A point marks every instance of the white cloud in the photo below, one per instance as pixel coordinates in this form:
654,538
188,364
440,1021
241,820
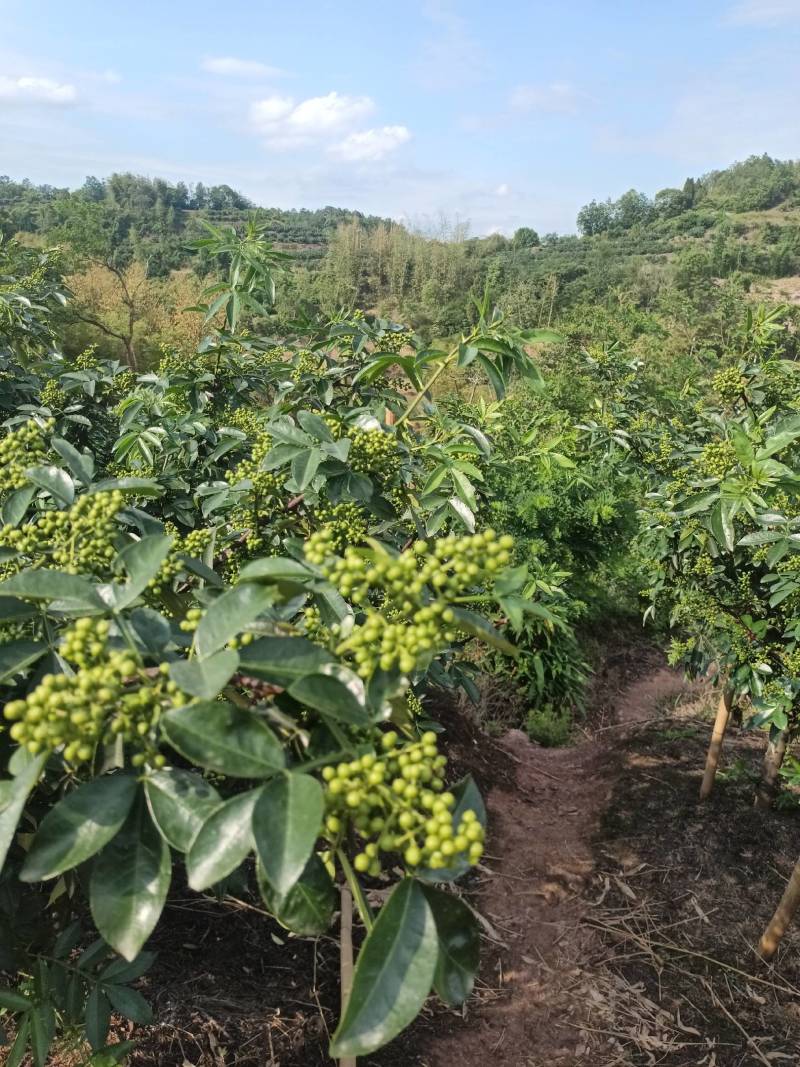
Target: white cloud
764,12
502,189
560,98
27,90
371,145
232,67
287,123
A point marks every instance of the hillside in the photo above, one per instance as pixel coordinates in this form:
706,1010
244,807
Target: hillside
740,226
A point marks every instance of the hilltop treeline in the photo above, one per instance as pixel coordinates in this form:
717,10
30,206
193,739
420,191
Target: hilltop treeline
741,223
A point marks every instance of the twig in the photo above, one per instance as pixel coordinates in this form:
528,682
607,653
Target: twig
750,1041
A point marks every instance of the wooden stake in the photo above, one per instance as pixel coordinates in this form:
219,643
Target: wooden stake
346,959
715,747
783,916
773,759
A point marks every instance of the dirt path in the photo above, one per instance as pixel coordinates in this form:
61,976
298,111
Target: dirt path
542,857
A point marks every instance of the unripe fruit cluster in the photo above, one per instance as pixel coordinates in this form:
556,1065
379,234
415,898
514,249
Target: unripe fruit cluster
80,711
396,803
52,396
340,525
373,452
193,544
306,362
87,359
20,449
729,383
394,340
717,458
84,643
78,540
412,625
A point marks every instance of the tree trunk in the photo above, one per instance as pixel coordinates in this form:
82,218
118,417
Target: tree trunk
783,916
715,746
130,354
773,758
346,959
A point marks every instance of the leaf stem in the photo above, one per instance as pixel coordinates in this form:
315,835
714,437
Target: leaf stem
355,888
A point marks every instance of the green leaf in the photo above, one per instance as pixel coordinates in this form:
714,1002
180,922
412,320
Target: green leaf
43,1027
80,465
129,884
16,505
282,660
180,802
17,656
305,466
393,975
314,425
130,1003
17,1053
13,1001
459,946
80,824
135,486
472,623
205,678
223,841
51,585
97,1018
286,824
142,560
230,613
307,909
224,738
288,574
54,481
14,610
340,698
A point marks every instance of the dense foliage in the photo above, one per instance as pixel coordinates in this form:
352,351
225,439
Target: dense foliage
226,587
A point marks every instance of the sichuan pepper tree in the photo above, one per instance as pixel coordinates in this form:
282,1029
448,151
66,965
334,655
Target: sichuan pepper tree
215,639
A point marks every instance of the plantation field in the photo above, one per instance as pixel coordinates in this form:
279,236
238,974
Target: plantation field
330,729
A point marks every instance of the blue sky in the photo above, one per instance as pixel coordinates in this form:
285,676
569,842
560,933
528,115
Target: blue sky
513,113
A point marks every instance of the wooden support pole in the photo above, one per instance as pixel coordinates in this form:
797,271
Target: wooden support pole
346,959
715,746
773,761
783,916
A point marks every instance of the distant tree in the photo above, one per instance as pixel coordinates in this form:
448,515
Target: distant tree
669,203
114,300
596,217
632,209
525,237
93,189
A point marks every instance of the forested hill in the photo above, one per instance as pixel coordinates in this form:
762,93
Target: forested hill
740,224
152,219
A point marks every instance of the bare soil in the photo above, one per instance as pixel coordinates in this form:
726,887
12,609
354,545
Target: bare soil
619,914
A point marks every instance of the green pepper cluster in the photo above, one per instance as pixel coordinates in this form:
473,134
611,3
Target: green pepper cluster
52,396
406,599
108,697
339,525
729,384
78,540
306,362
395,802
193,544
87,359
20,449
717,458
373,452
395,340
